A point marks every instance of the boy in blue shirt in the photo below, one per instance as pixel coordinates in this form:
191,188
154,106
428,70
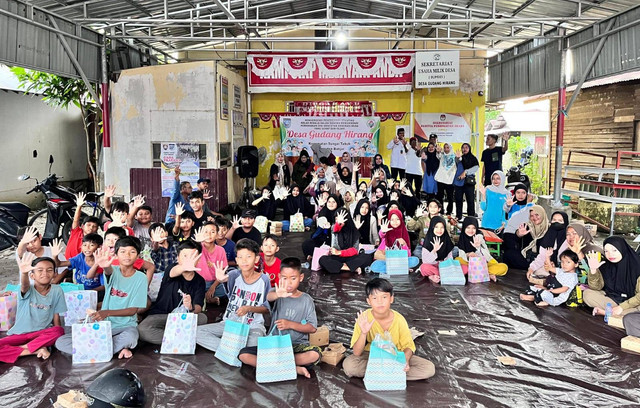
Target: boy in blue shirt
82,263
126,293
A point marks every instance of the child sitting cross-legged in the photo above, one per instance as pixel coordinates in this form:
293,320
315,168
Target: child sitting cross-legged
31,242
380,318
437,247
294,314
38,317
558,285
126,293
247,290
471,244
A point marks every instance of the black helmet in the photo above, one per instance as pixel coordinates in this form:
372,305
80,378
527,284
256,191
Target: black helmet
116,387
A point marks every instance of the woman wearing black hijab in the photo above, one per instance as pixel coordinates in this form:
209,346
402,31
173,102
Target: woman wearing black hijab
302,170
466,184
369,226
430,166
294,203
345,241
614,279
380,166
326,218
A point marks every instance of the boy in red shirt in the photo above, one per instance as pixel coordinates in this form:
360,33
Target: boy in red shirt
269,260
89,225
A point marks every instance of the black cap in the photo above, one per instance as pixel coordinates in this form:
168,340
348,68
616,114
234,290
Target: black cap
204,180
249,213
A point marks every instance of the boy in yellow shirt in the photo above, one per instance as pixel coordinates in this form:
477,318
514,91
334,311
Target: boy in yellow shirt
377,320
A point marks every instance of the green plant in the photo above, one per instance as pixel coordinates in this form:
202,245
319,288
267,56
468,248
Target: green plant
536,177
61,92
492,114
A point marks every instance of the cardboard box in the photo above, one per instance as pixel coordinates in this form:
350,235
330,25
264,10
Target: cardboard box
320,337
333,354
630,343
72,399
275,231
616,321
276,224
592,228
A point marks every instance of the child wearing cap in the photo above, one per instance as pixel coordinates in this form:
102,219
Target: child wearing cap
243,227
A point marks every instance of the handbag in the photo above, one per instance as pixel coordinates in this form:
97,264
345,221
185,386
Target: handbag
261,223
385,368
275,358
78,301
234,338
397,261
451,273
470,180
317,253
180,334
478,270
8,308
296,222
92,342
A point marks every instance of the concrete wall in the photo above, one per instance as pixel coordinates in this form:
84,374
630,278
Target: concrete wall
28,124
174,102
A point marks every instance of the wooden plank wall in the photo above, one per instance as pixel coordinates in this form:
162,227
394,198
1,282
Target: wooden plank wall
602,120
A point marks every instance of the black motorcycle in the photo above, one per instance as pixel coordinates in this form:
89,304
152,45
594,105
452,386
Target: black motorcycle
57,216
516,174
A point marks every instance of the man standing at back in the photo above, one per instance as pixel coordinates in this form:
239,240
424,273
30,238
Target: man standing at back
399,149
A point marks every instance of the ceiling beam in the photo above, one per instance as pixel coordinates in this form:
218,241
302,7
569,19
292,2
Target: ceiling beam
244,29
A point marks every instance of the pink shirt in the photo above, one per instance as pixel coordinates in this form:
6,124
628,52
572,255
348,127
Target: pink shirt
209,259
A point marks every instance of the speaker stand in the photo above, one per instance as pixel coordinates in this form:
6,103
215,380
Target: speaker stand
245,200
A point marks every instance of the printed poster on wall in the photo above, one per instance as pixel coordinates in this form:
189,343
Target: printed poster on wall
224,98
185,155
357,135
237,97
437,69
450,127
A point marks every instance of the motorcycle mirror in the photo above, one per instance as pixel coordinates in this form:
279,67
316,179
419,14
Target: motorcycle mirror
50,159
24,177
35,154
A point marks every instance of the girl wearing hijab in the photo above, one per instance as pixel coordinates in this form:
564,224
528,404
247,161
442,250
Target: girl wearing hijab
302,170
266,204
280,173
445,175
366,223
615,279
430,165
393,232
519,201
295,203
379,198
522,247
345,241
492,202
436,247
465,182
554,240
322,235
380,166
471,243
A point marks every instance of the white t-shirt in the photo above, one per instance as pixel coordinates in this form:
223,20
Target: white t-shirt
414,163
398,154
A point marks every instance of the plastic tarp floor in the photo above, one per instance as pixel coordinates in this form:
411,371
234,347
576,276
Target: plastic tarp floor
564,357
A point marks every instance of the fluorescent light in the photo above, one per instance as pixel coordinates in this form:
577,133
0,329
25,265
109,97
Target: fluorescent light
341,38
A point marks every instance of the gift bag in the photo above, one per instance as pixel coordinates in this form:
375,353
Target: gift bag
367,248
385,368
234,338
70,287
180,334
92,342
78,301
8,308
154,286
261,223
478,270
275,358
397,261
451,273
296,222
317,253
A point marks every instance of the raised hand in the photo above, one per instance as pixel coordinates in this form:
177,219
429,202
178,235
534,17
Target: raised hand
286,192
200,235
179,209
30,234
384,226
221,271
138,201
206,194
437,244
594,262
341,217
56,248
578,246
25,262
403,183
358,221
176,170
359,195
322,201
482,188
156,235
103,257
266,194
80,199
356,167
421,210
370,165
477,241
110,190
190,263
458,154
281,291
236,222
523,230
364,323
119,218
407,192
376,173
314,177
510,201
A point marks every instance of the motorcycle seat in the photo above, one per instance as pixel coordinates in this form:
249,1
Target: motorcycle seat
15,206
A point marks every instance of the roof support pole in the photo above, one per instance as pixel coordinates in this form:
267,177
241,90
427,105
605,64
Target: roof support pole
562,98
104,90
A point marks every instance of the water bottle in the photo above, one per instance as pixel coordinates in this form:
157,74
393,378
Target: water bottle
607,312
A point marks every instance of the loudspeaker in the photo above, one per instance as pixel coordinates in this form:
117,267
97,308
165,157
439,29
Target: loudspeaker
248,161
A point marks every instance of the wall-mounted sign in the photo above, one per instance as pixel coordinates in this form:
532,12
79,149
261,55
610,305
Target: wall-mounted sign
438,69
185,155
224,98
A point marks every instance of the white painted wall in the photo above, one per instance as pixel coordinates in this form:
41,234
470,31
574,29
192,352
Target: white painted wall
28,124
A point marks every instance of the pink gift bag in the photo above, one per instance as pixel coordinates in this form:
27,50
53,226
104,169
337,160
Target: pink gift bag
8,308
317,253
478,270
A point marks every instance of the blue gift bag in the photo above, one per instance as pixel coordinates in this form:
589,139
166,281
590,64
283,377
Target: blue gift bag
451,273
180,334
275,358
234,338
397,262
385,368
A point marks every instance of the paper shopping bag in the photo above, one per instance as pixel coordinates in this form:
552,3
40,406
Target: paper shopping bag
180,334
234,338
78,301
296,223
92,342
385,368
451,273
317,253
8,308
397,262
275,358
478,270
261,223
70,287
154,286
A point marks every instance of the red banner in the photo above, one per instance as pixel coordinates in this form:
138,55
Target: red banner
350,72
